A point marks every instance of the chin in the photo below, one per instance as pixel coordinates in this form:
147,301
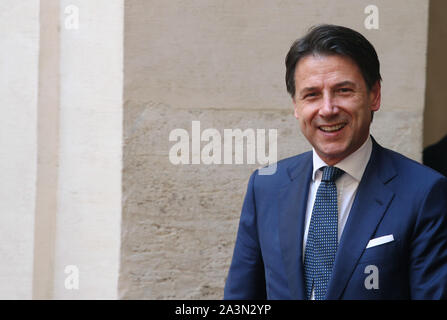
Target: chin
333,151
332,154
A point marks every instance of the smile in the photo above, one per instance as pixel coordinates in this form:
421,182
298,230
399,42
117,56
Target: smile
333,128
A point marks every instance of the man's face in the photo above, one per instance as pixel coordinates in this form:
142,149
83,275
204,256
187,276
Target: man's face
333,105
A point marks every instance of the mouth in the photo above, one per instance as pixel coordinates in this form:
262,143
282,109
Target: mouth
333,128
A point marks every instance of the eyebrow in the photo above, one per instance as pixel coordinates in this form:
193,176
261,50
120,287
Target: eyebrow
345,83
337,85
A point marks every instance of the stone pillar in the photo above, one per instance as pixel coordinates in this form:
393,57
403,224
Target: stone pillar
89,180
19,64
61,148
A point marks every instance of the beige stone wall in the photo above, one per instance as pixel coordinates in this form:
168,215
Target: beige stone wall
222,63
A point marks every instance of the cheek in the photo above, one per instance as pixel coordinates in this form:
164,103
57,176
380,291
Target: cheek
305,115
361,121
363,116
305,123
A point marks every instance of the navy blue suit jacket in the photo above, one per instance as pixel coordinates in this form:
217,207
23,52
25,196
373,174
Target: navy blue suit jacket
396,196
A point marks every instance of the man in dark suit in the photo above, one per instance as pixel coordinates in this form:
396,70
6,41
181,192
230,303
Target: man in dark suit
349,219
435,156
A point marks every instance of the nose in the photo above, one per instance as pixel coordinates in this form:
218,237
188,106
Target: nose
329,107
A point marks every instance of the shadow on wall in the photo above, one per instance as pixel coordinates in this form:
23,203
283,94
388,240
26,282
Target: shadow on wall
435,113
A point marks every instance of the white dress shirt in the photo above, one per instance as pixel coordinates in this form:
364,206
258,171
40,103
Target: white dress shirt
354,166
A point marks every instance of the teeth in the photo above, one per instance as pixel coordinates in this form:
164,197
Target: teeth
332,128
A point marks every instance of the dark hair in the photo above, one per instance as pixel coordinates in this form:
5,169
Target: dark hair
329,39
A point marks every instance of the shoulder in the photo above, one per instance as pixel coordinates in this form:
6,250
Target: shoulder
412,174
281,172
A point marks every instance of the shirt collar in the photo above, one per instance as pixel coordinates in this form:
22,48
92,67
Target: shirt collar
354,164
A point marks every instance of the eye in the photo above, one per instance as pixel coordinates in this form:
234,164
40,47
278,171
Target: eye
310,95
344,90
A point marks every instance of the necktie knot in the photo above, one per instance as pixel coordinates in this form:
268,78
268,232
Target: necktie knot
331,174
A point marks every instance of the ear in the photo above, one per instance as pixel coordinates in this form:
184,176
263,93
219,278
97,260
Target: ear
375,96
295,107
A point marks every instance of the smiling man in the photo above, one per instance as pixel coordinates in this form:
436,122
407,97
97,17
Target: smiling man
349,219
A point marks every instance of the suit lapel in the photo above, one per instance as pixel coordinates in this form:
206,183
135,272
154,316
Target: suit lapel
292,209
370,204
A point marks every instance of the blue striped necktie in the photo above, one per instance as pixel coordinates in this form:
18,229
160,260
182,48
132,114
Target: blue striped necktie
322,238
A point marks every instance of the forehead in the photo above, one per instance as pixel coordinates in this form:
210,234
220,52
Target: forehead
317,70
